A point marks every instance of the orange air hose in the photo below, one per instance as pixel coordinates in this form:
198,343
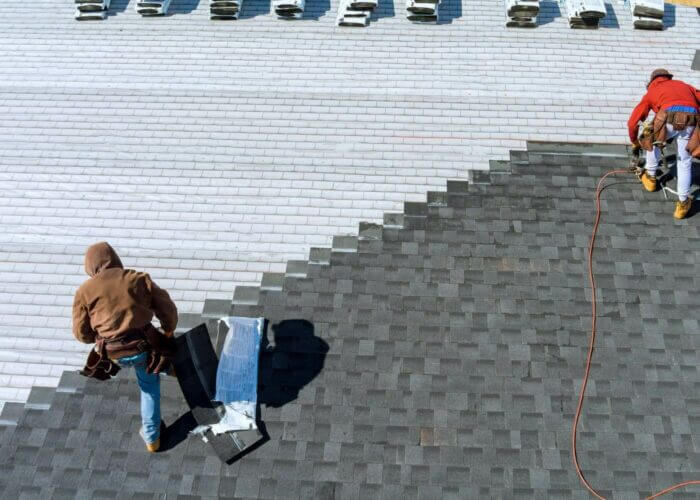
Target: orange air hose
579,407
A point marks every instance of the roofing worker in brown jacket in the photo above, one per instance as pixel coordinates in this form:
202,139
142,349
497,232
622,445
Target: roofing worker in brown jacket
114,309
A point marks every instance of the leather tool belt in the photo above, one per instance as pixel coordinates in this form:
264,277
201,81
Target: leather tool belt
679,120
101,362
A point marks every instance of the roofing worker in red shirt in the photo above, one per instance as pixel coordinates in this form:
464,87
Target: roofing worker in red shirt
675,105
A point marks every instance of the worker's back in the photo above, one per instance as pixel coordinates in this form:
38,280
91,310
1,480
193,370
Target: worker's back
116,300
664,93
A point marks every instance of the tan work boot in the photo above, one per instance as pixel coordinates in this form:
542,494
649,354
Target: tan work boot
648,182
154,446
682,208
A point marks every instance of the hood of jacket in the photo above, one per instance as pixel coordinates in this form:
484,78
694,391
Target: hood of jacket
99,257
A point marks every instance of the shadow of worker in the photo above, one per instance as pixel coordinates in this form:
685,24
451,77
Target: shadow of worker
290,362
177,431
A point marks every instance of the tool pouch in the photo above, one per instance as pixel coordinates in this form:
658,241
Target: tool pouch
162,350
694,142
679,120
98,365
653,132
646,138
659,126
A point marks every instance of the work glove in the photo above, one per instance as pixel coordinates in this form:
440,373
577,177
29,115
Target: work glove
636,148
157,363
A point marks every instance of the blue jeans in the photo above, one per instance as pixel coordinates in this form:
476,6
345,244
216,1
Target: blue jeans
150,395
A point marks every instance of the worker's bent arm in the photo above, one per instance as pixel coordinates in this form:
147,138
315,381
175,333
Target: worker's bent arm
640,112
163,306
81,323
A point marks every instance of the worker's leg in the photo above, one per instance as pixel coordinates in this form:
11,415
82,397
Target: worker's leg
648,178
652,163
654,156
683,164
149,383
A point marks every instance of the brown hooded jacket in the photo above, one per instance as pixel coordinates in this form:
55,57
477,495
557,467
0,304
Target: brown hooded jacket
115,300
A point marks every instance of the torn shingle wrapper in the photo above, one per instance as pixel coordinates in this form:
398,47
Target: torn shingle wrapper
237,376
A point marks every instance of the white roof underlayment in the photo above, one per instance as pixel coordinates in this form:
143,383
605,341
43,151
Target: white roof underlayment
209,152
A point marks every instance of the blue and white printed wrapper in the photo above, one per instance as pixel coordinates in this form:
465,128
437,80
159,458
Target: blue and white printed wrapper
237,376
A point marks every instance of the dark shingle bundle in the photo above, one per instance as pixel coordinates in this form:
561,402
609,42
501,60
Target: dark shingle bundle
584,14
423,11
522,13
355,13
289,9
225,9
648,14
152,7
86,10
